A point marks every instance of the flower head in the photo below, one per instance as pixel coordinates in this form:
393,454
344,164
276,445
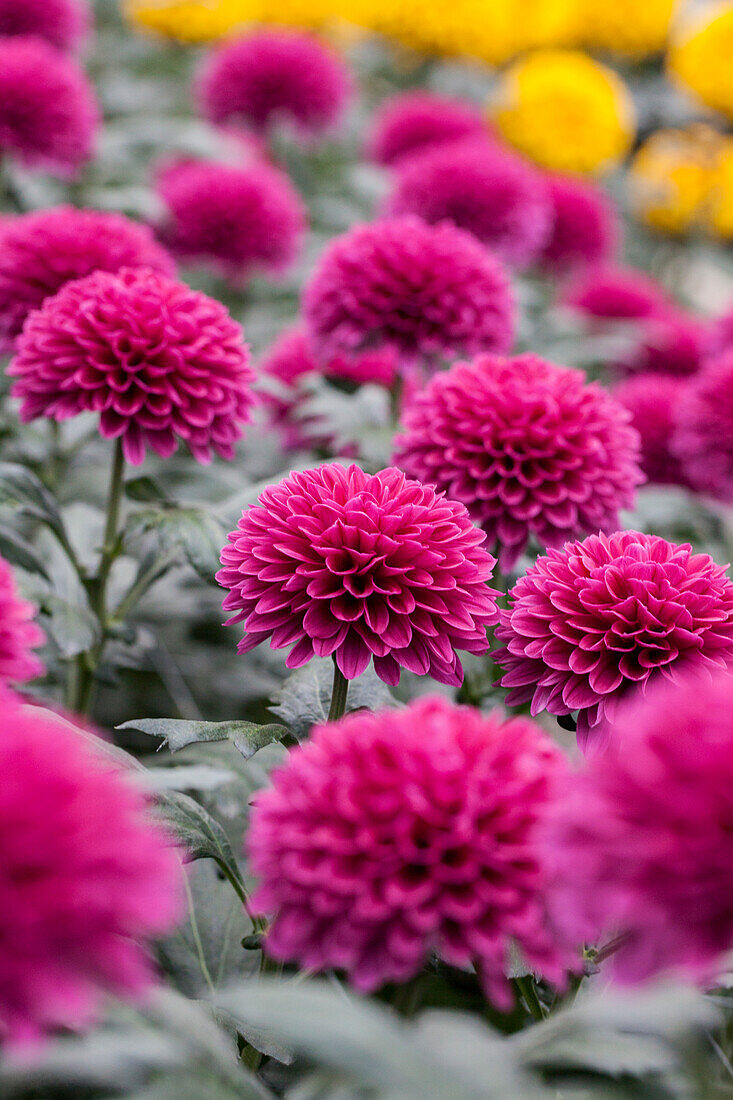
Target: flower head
43,251
82,884
626,27
414,122
700,52
19,634
334,561
237,219
391,835
530,448
703,439
63,23
598,618
565,111
673,178
423,290
158,361
48,111
618,294
275,74
585,225
189,21
494,195
640,842
653,401
671,343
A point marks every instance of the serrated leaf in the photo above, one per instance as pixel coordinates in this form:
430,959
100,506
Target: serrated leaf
145,489
305,697
18,551
199,535
247,737
22,490
198,833
72,626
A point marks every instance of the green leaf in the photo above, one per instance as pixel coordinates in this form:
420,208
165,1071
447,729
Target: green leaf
72,626
305,698
198,534
18,551
22,490
199,834
247,737
145,490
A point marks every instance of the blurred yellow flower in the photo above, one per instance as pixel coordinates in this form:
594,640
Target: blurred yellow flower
634,27
672,175
565,111
721,196
190,21
701,56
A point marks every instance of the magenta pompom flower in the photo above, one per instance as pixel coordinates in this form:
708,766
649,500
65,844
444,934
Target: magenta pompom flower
672,343
389,836
640,842
703,437
273,75
43,251
479,187
335,561
415,121
236,219
158,361
530,448
653,401
19,634
594,620
423,290
585,225
63,23
618,293
84,880
48,111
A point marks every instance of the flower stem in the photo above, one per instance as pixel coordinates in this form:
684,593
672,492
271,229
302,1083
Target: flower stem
526,989
338,695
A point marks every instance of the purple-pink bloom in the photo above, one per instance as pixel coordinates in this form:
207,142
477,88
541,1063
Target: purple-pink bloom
639,844
653,401
159,362
235,219
19,633
589,623
392,835
585,225
618,293
42,251
720,335
274,75
424,291
415,121
86,877
672,343
48,111
703,437
476,185
334,561
63,23
532,449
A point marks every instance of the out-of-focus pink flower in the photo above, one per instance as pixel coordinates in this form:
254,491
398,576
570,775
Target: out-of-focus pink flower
617,293
415,121
63,23
703,437
672,343
585,225
653,401
19,634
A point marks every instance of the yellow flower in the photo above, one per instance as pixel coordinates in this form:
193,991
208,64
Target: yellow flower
720,220
672,175
565,111
634,27
701,56
190,20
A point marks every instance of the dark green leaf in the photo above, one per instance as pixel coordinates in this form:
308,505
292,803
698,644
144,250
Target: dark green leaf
247,737
305,697
22,490
199,834
72,626
18,551
199,535
145,489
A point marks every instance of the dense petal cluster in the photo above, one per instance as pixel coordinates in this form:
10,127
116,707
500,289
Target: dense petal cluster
82,884
19,634
653,401
63,23
624,26
272,75
565,111
585,225
703,440
672,343
43,251
530,448
675,179
158,361
618,293
700,53
48,111
237,219
334,561
499,198
594,620
424,290
640,844
414,122
190,21
392,835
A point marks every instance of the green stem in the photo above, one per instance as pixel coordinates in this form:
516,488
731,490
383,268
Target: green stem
141,585
526,988
338,695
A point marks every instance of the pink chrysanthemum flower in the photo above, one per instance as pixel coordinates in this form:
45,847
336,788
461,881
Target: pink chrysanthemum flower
158,361
653,401
601,617
84,880
19,634
335,561
720,335
672,343
703,437
43,251
530,448
618,293
63,23
479,187
640,841
423,290
273,75
415,121
392,835
236,219
585,225
48,111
